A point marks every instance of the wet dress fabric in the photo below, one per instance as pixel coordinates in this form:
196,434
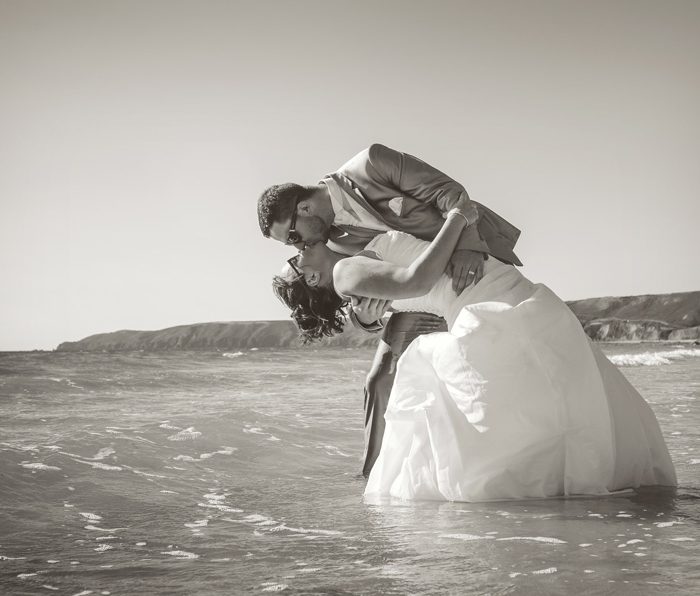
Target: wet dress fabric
513,401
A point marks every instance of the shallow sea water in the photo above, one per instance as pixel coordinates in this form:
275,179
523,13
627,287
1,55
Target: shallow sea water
210,473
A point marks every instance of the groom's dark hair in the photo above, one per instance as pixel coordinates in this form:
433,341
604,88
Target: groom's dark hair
277,202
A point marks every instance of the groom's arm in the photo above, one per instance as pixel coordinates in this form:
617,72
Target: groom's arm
421,181
414,177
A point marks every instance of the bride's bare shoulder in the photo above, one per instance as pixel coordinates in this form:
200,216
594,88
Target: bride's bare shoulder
352,273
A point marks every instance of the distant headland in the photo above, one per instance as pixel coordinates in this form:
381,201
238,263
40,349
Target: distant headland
657,317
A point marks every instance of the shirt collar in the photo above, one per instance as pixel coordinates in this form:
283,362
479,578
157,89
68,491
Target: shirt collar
338,200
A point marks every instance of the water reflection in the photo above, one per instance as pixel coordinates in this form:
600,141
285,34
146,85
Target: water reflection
587,541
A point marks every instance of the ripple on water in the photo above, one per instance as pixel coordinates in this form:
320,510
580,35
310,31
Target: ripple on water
39,466
546,571
466,537
256,430
187,434
667,524
98,465
180,554
224,450
273,587
544,539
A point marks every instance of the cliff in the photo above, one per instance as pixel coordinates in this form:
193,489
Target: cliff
650,317
225,336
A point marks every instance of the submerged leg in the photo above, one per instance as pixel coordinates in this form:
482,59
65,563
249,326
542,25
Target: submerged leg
402,329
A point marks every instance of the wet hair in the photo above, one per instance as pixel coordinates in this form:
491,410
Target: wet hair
277,202
317,311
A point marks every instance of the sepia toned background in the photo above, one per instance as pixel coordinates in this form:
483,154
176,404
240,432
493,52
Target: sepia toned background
136,136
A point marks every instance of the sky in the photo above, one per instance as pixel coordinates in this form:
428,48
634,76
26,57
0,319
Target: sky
136,136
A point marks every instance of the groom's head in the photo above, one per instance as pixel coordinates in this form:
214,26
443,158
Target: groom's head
294,214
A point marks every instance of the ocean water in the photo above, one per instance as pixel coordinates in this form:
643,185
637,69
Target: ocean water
211,473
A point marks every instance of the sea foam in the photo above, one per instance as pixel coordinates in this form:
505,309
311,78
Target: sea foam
653,358
186,434
39,466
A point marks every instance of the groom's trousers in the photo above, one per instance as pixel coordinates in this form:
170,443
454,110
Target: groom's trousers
401,330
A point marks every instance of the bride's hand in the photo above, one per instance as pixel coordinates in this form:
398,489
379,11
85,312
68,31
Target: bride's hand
369,310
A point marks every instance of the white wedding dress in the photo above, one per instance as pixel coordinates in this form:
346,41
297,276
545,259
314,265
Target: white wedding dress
514,401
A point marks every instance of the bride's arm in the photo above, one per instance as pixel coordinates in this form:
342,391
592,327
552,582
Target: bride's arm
362,276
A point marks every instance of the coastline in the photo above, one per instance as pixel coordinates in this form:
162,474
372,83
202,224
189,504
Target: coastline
671,317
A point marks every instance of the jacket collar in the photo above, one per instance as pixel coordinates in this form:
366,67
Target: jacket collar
352,189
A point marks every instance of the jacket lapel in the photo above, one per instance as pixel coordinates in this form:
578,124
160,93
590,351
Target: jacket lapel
349,186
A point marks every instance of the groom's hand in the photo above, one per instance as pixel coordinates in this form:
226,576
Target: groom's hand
465,268
369,310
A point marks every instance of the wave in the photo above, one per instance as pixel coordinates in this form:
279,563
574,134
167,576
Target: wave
653,358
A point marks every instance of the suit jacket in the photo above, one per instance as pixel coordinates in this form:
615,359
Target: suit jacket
410,195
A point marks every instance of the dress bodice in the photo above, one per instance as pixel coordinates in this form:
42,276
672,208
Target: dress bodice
402,249
498,283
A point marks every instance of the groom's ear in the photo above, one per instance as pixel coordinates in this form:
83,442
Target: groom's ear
312,279
304,207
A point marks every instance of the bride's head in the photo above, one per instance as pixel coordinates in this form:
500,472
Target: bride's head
305,285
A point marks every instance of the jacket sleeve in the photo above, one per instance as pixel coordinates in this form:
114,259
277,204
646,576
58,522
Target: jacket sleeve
414,177
375,327
423,182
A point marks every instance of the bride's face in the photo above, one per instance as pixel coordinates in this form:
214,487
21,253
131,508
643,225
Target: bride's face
314,263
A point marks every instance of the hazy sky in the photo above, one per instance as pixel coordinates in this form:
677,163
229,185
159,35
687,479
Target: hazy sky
135,138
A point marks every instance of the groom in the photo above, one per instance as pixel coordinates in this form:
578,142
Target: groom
382,189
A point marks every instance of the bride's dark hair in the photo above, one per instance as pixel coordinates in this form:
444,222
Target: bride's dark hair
317,311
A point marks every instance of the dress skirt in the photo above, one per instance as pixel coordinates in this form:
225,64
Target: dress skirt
514,402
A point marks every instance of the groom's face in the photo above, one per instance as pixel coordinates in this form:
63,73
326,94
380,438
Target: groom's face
310,228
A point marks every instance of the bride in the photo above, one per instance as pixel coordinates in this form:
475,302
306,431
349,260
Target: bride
514,401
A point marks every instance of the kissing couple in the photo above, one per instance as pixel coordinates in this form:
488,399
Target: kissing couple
484,385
